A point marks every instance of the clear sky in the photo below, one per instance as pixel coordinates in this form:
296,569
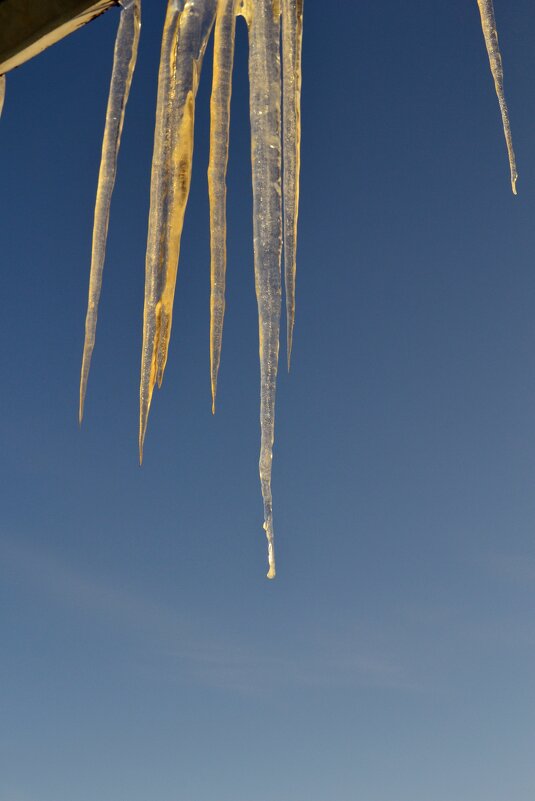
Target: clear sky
143,653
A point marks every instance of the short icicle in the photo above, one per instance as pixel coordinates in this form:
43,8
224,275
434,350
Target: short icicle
187,29
292,37
265,101
124,62
224,36
488,23
2,92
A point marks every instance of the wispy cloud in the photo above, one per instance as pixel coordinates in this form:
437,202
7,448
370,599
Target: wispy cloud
175,646
60,580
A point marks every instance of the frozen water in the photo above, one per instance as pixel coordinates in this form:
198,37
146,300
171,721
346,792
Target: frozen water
124,62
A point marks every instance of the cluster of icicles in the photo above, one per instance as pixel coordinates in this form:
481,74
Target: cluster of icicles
275,173
187,29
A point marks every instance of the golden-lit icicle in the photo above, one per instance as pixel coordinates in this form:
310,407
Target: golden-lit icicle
225,28
160,204
292,37
186,32
2,92
124,62
265,113
488,23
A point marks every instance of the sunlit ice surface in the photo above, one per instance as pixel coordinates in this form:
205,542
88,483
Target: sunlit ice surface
187,30
275,40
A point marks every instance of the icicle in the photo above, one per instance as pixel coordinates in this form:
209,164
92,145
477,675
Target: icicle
265,97
490,33
186,32
292,35
217,171
124,61
2,92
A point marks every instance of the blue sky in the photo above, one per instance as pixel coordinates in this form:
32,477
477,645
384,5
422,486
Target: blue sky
144,654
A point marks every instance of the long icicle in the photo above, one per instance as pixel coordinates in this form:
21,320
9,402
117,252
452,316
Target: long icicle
292,37
265,112
186,32
124,62
2,92
224,36
488,23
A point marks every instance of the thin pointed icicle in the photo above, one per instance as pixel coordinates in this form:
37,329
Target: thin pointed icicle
2,92
217,172
159,205
292,37
186,31
488,23
124,62
265,112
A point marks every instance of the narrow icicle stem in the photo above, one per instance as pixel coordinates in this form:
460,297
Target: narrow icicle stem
186,32
2,92
124,62
292,37
217,172
488,23
265,102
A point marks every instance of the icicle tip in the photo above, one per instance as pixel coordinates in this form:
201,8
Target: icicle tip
83,383
271,559
268,528
289,351
141,443
214,392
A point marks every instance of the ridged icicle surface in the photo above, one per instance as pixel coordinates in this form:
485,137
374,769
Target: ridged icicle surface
187,29
124,62
292,38
488,23
265,113
225,29
186,32
275,159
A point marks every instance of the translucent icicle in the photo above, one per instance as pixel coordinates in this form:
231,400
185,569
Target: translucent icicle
2,92
265,102
292,36
124,62
217,171
488,23
186,32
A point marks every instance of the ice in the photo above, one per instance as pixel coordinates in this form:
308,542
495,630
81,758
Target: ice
292,35
217,170
124,61
187,28
2,92
265,113
186,31
488,23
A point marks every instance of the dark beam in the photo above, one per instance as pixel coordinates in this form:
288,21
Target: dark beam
29,26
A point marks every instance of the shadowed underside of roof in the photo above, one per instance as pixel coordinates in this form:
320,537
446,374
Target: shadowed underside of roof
27,27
